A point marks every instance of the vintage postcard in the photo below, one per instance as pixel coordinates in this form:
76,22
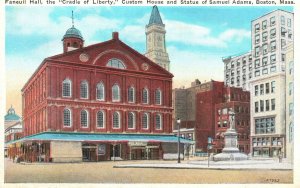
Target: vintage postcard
178,92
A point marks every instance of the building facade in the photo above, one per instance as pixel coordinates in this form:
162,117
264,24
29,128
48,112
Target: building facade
239,101
156,40
203,108
289,82
270,35
100,102
238,70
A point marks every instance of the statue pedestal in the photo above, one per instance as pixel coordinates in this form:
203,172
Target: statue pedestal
230,151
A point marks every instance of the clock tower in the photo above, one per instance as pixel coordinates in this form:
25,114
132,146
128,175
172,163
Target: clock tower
155,40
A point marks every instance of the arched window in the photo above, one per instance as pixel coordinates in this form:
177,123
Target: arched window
116,93
131,94
131,120
158,96
84,118
67,88
100,119
84,90
116,120
158,121
145,121
100,92
67,118
116,63
145,96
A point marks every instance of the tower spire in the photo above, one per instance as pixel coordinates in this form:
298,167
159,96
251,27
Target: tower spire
72,19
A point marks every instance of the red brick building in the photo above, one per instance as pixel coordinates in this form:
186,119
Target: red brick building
205,105
100,102
239,101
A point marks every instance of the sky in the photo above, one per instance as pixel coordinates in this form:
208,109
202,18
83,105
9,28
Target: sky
197,37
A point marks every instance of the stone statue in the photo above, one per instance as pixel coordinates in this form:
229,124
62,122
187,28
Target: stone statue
231,119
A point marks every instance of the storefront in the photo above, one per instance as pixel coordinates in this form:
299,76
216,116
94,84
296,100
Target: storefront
88,147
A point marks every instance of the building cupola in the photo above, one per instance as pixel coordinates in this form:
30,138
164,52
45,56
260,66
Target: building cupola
72,39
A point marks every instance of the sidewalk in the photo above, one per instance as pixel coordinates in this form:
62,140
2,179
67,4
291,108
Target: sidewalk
254,164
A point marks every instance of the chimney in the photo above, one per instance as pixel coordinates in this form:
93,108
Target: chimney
115,35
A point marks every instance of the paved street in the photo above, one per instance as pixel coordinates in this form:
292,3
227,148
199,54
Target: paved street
103,172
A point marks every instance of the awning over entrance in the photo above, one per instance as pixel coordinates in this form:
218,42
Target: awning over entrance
85,137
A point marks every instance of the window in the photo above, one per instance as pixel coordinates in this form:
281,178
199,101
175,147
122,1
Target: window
267,88
232,64
273,87
145,96
272,104
131,120
100,94
291,87
257,51
116,93
273,45
265,49
291,67
84,118
67,88
257,73
265,125
265,71
291,108
283,31
250,75
283,57
100,119
283,43
256,106
261,102
272,21
264,36
257,63
256,90
67,118
261,89
291,132
158,96
264,24
158,121
264,61
267,105
145,121
116,63
116,120
273,69
84,90
282,19
290,34
257,27
273,58
289,22
272,33
257,39
131,94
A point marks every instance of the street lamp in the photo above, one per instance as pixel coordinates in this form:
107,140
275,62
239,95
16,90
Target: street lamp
178,127
209,146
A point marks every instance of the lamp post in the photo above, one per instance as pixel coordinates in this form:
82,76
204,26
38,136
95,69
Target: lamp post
209,142
178,123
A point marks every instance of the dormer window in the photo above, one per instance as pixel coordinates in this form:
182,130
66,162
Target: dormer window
116,63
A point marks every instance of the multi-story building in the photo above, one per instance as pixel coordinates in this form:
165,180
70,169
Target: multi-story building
289,118
270,35
156,40
100,102
199,107
239,101
238,70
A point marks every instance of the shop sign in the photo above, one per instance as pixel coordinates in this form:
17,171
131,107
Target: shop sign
101,149
137,143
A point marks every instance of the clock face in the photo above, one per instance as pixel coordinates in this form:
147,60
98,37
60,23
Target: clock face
84,57
145,66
